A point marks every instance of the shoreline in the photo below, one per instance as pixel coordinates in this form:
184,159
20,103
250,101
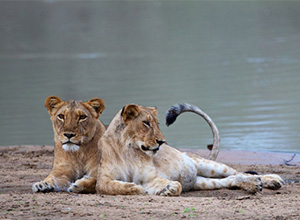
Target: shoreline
22,166
226,156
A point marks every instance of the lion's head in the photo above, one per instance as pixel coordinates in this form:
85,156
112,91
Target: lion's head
74,122
140,128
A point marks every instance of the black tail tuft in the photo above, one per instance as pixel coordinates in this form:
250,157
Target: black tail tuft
170,117
172,114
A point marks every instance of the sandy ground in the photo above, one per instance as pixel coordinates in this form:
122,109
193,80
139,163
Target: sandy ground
21,166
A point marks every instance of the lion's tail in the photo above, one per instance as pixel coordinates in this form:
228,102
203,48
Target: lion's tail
177,109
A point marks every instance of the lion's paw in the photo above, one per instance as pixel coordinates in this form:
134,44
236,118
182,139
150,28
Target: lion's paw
172,189
74,188
251,184
134,189
42,186
272,181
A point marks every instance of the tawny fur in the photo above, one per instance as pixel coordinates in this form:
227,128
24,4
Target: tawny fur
77,131
135,160
124,167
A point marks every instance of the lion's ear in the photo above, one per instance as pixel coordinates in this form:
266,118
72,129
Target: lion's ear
129,112
98,105
51,103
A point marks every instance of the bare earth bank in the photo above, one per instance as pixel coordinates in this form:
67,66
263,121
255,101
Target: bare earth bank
21,166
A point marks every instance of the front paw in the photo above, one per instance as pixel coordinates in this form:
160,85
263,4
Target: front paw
134,189
74,188
172,189
42,186
272,181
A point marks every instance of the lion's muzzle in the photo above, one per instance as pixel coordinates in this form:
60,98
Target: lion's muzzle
150,149
154,149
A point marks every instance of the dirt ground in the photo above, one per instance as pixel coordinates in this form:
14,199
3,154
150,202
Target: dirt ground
21,166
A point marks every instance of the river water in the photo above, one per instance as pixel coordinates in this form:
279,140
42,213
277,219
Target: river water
239,61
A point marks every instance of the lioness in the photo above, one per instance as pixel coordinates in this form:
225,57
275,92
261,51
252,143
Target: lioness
136,160
77,131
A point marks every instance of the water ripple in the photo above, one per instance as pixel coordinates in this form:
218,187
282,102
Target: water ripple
30,56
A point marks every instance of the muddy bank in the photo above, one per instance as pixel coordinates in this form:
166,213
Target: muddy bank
21,166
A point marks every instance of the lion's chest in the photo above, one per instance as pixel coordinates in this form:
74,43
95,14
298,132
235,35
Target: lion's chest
136,173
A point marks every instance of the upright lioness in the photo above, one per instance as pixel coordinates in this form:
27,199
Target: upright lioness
77,131
136,160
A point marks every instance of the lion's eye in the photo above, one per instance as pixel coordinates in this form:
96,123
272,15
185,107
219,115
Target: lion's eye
147,123
61,116
81,117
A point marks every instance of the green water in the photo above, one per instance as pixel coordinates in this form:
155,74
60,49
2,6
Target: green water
238,61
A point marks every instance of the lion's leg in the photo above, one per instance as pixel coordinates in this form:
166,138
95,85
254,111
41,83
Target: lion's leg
86,184
209,168
250,183
163,187
58,180
110,186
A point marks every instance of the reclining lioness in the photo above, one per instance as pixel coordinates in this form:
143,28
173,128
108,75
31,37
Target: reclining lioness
136,160
77,131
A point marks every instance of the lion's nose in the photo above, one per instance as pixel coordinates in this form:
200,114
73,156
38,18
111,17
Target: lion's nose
69,135
160,142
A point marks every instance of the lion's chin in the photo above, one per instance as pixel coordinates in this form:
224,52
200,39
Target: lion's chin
70,147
